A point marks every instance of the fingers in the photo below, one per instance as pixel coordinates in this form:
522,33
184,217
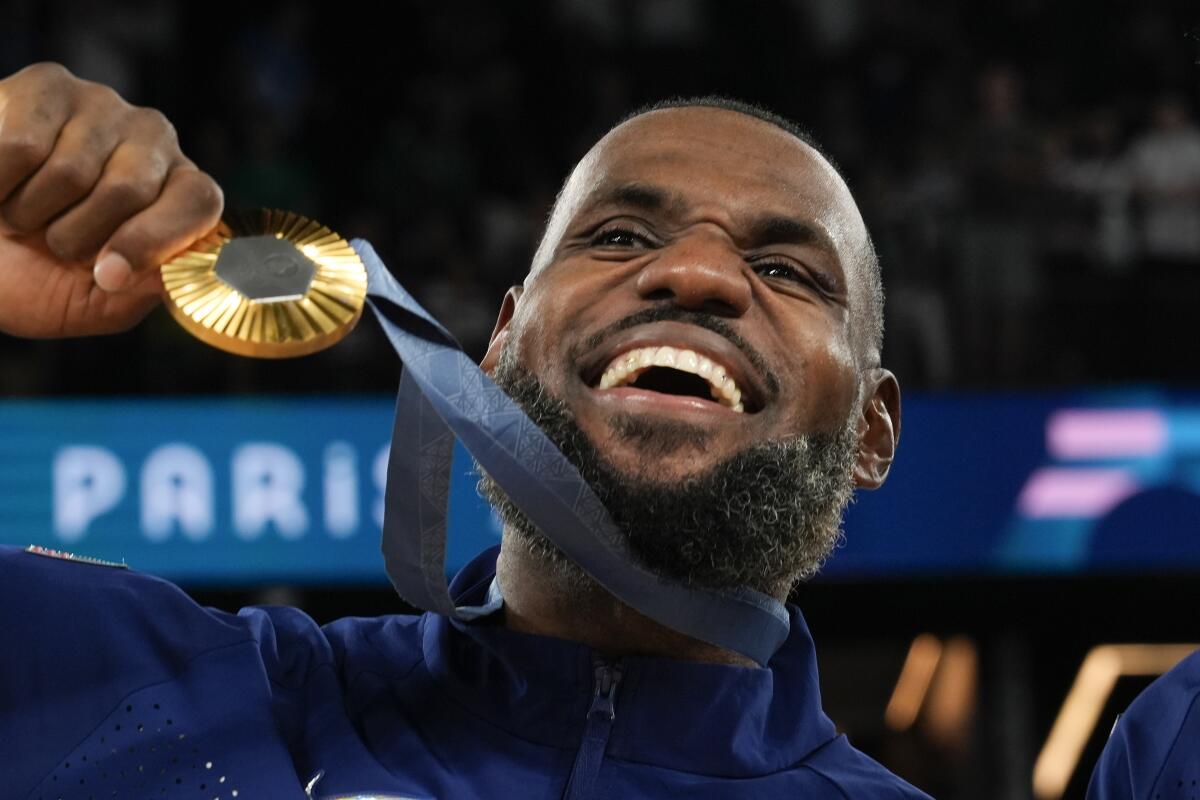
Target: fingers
189,207
131,181
65,177
99,177
32,112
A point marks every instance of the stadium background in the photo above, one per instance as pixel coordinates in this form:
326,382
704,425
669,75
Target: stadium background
1031,174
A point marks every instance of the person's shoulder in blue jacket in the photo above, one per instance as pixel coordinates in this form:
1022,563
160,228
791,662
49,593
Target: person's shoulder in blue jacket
114,680
1154,750
119,681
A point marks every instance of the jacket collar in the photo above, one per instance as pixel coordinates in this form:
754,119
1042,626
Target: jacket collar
735,721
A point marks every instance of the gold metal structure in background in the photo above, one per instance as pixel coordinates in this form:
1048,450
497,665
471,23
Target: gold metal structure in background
936,690
1080,712
267,284
924,655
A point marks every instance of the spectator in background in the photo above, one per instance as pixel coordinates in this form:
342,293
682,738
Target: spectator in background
998,270
1164,167
1164,164
1094,174
1089,250
916,216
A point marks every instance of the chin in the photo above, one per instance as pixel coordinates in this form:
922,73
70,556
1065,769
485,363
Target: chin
658,450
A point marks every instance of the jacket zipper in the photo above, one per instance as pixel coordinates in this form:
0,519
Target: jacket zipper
586,769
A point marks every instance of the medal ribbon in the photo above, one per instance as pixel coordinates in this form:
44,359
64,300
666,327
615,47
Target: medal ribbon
443,395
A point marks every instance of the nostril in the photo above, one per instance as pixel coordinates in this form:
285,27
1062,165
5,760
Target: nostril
718,308
706,304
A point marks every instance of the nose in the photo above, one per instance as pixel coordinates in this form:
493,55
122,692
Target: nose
702,272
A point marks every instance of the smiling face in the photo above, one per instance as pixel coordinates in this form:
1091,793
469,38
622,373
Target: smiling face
743,244
695,297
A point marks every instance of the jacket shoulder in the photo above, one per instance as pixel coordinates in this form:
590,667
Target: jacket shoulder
1156,742
98,641
857,775
49,600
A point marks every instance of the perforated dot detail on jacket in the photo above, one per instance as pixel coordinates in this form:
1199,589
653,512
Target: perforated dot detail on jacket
139,751
1181,789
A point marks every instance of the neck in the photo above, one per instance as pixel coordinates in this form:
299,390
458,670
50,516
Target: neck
545,599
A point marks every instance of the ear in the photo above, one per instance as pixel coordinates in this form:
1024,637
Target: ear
500,333
879,429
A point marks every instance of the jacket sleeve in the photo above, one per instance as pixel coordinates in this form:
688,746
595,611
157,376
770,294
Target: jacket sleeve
113,680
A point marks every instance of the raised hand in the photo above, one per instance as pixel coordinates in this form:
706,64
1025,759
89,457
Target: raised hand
94,194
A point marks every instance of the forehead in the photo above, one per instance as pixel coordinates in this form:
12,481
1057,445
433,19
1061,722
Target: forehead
722,159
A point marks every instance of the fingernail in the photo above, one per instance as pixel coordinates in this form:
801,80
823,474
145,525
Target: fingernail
112,272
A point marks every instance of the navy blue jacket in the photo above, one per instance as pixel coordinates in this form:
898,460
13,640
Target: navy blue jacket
1154,750
116,682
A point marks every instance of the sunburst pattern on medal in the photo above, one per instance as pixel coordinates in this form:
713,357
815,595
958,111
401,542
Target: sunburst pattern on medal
219,314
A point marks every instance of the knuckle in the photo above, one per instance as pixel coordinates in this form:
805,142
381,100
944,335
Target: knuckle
129,192
63,243
97,140
23,150
98,96
156,121
205,193
106,94
69,175
48,72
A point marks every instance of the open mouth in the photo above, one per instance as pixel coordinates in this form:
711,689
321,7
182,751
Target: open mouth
675,371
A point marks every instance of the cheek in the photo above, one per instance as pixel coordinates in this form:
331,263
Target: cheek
824,380
541,330
564,302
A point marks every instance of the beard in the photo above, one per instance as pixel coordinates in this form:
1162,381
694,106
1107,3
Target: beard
766,517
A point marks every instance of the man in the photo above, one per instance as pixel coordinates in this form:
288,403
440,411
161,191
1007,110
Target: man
699,333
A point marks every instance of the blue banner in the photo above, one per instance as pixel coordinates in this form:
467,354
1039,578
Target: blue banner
215,490
227,491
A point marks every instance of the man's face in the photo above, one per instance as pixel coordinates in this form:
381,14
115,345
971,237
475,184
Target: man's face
717,235
686,337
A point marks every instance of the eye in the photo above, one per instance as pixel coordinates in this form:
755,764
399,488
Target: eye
782,271
620,237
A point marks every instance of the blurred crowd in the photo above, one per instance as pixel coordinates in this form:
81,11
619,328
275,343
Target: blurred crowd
1030,170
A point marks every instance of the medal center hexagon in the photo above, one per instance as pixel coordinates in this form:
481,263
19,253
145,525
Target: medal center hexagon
265,268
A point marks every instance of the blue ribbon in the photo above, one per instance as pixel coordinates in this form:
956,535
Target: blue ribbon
443,395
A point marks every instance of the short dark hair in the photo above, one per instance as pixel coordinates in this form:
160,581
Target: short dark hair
871,316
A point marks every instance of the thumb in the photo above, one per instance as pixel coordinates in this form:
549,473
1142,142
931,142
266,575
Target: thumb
112,271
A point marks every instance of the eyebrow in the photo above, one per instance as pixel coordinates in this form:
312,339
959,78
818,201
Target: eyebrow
763,231
785,230
643,196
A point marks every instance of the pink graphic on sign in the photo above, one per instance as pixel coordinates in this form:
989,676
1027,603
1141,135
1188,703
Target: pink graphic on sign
1106,433
1073,492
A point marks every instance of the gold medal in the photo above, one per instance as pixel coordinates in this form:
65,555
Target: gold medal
267,284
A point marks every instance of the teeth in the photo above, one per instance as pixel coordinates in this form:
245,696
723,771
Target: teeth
626,368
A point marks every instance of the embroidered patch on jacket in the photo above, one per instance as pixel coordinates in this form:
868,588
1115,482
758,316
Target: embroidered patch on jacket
95,562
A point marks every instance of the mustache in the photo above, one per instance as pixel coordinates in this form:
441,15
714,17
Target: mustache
669,312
